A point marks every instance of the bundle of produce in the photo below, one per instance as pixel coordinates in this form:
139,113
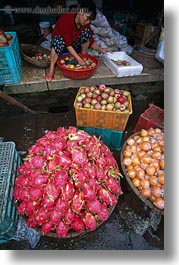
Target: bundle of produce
142,161
68,183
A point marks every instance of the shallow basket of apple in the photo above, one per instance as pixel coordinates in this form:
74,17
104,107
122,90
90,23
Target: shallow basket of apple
35,55
103,107
142,161
68,184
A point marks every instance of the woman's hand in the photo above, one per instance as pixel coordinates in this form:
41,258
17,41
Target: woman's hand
81,61
99,49
104,50
75,54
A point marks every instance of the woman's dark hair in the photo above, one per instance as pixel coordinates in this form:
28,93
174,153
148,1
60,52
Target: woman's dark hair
89,6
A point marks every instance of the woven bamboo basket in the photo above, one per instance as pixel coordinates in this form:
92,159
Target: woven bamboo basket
28,50
136,190
71,233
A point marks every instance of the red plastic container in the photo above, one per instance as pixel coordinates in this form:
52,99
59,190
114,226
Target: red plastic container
78,74
152,117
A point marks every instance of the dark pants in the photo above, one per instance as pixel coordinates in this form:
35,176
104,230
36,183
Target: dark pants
59,45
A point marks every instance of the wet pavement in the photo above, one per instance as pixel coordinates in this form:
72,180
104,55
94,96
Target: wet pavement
132,225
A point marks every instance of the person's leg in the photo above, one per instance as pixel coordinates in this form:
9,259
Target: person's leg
57,47
53,59
81,45
85,47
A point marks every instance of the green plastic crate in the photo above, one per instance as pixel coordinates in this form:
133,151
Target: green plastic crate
9,162
111,138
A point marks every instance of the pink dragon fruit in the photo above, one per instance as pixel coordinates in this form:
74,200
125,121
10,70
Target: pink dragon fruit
77,224
106,196
94,206
112,185
80,177
62,229
22,181
77,202
79,158
31,206
89,192
35,149
59,144
68,191
22,207
40,180
47,227
61,178
51,135
51,191
41,216
35,193
47,202
37,161
69,216
31,221
55,216
90,221
61,206
104,213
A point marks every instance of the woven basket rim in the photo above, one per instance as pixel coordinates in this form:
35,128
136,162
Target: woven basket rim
36,48
136,191
72,233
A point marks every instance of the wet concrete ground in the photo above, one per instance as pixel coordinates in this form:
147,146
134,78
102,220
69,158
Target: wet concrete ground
132,225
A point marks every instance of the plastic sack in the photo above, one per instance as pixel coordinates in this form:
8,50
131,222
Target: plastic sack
160,48
24,232
47,43
100,20
105,32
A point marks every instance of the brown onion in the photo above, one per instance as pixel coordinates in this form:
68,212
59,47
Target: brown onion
127,153
143,132
159,203
161,164
145,183
130,141
156,155
146,159
153,180
132,173
140,173
156,191
146,146
150,170
146,192
127,161
136,182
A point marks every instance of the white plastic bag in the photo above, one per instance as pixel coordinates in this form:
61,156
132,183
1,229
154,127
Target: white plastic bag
160,48
100,20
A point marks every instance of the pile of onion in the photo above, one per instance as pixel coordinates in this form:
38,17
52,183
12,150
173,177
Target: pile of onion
143,158
69,182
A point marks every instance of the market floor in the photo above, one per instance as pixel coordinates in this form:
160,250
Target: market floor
132,225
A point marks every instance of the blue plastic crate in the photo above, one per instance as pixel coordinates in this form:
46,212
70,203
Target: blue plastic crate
9,162
10,62
111,138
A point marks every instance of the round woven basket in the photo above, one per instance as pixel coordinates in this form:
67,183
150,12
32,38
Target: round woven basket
71,233
28,50
137,191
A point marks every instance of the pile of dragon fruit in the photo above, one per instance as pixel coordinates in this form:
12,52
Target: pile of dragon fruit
68,183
